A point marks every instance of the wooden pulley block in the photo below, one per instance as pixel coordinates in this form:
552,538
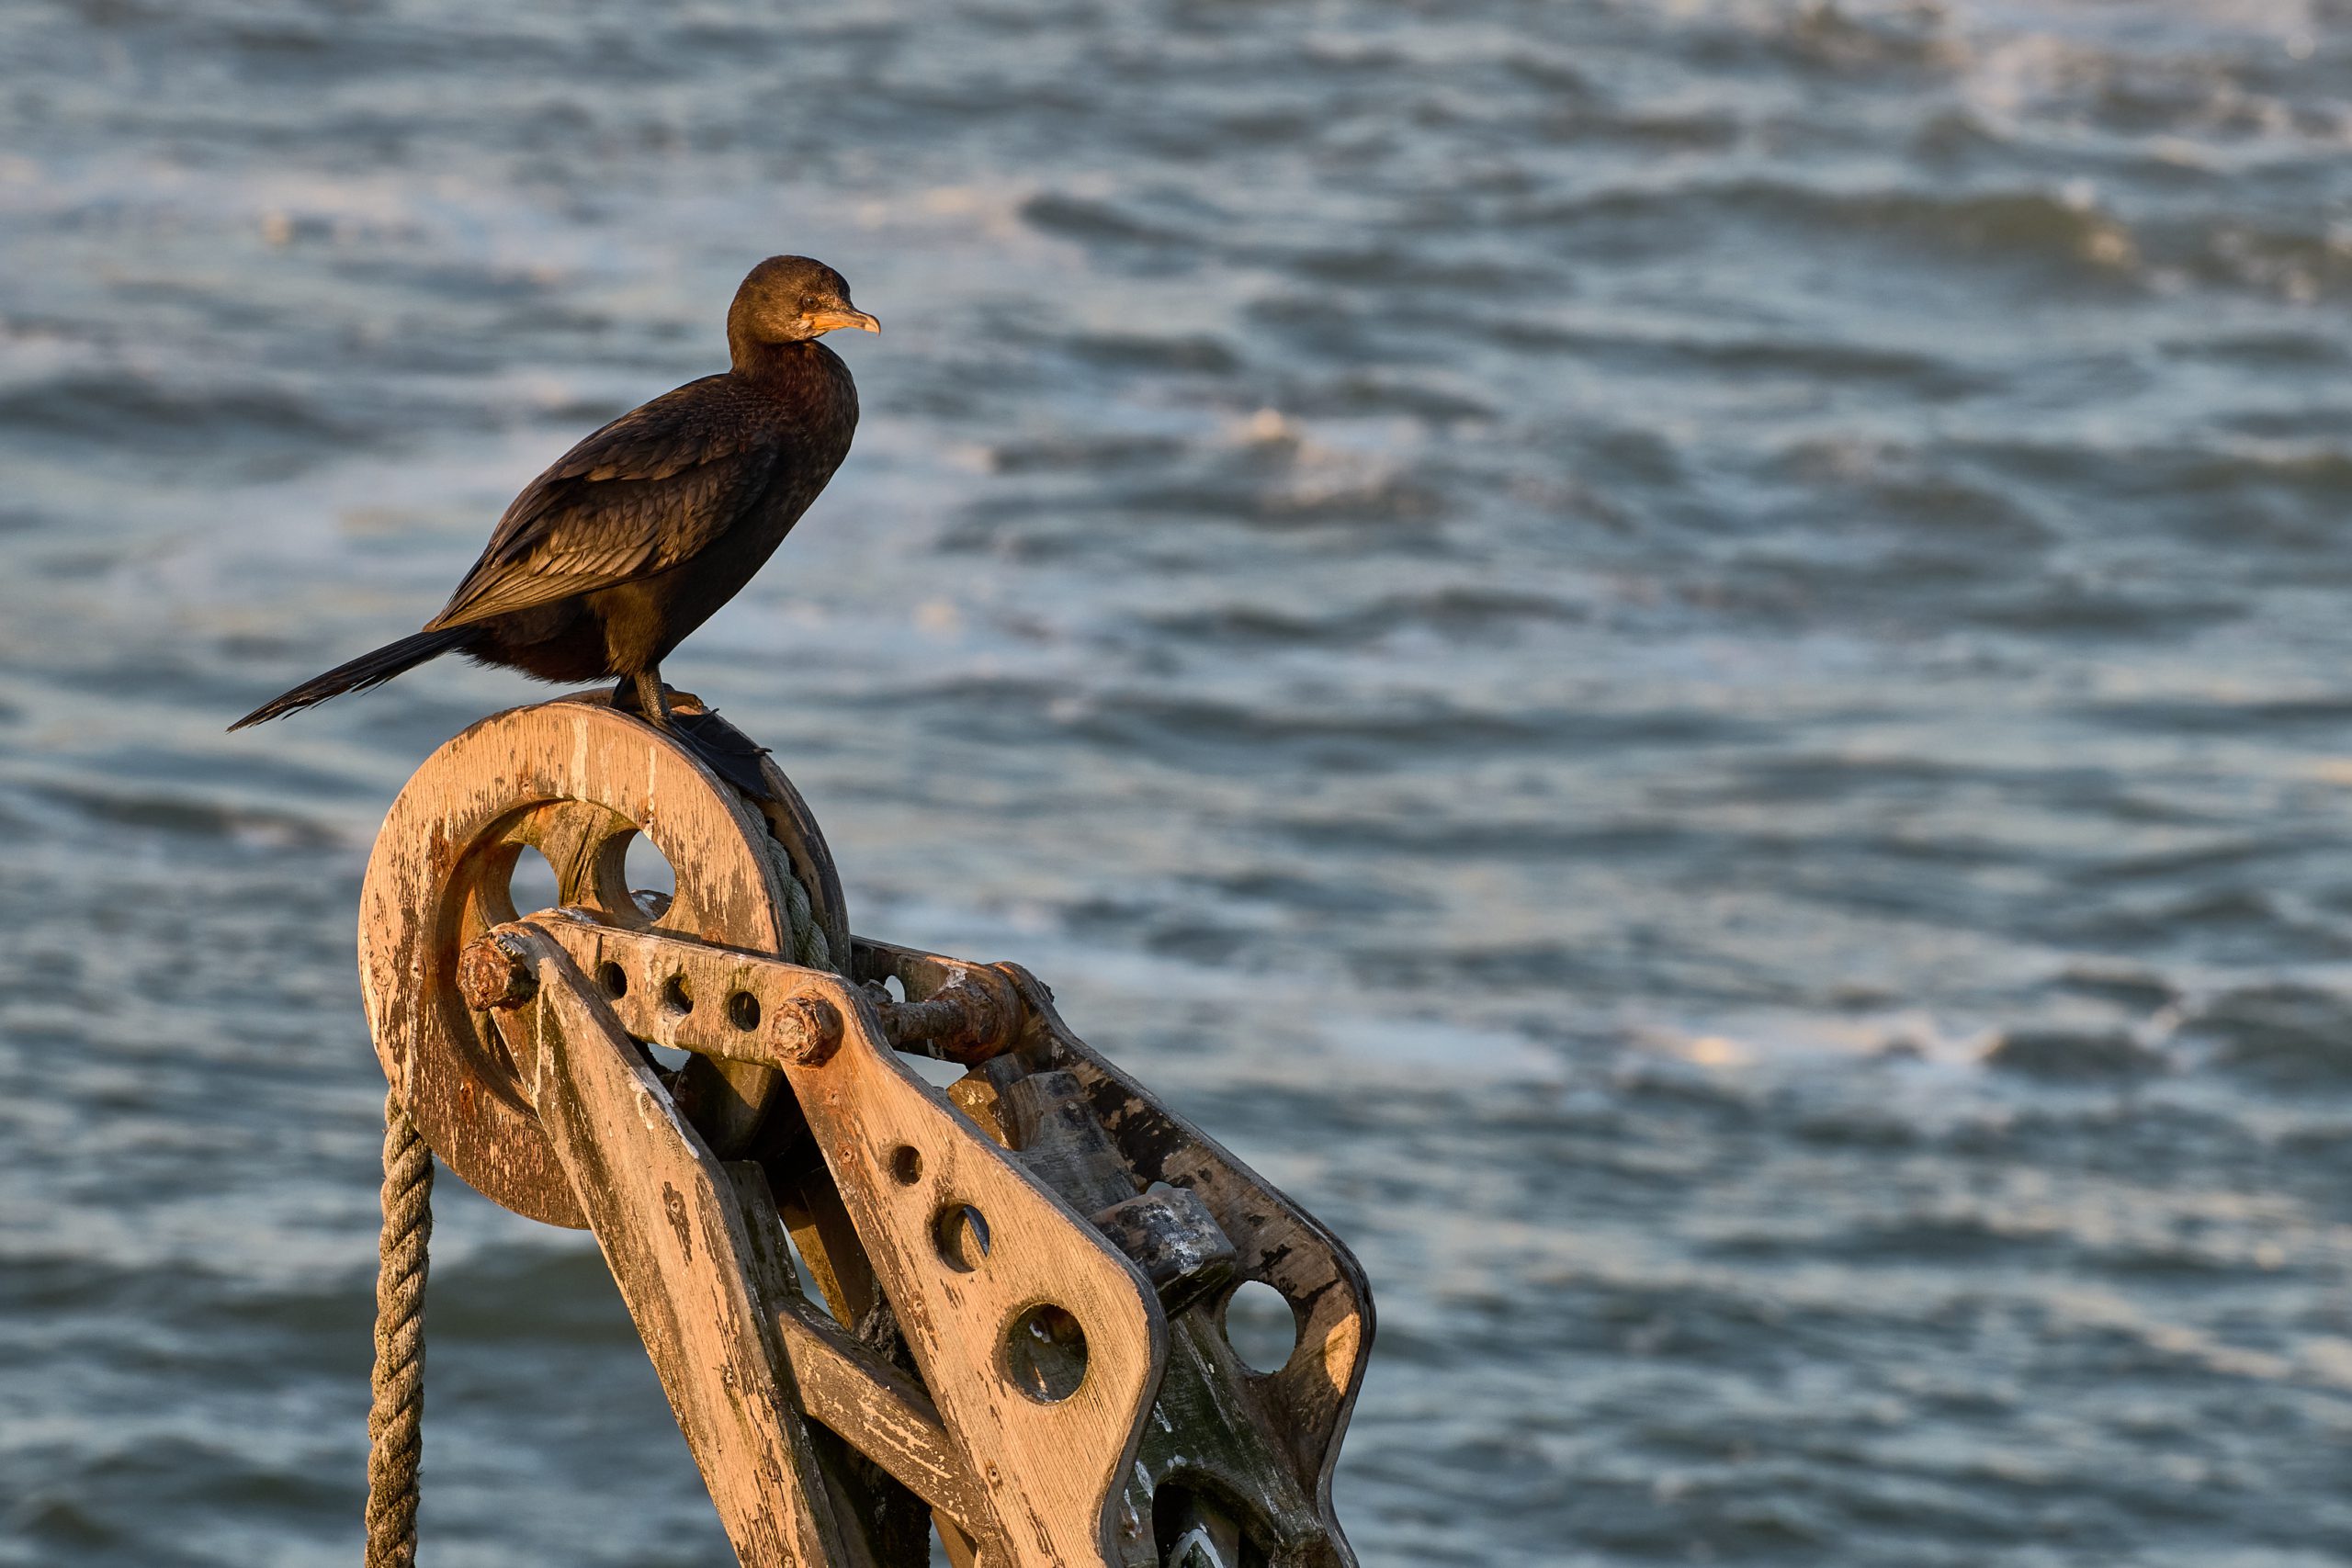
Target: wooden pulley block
577,781
1018,1338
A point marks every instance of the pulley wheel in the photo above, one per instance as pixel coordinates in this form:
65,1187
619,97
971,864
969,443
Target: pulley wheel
577,781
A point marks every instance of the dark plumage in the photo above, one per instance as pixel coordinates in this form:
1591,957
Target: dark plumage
637,535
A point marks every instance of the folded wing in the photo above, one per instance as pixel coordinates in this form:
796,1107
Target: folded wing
651,489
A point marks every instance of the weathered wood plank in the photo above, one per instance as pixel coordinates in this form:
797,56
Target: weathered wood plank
664,1213
876,1407
972,1250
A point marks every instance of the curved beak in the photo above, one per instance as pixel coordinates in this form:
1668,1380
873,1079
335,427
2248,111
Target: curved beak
831,320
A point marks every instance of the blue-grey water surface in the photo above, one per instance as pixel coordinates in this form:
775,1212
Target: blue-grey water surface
1686,663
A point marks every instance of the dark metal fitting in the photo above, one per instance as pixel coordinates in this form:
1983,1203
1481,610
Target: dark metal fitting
494,974
1174,1239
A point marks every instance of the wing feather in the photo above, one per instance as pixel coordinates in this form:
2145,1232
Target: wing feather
654,488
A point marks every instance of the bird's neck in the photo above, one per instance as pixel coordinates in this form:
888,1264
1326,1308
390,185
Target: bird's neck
776,361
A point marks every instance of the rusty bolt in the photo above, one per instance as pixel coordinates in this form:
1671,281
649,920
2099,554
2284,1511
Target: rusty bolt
808,1031
976,1015
494,974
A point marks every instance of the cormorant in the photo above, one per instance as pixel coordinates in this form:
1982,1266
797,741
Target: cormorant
637,534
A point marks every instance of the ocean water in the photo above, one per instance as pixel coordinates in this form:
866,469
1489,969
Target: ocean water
1686,663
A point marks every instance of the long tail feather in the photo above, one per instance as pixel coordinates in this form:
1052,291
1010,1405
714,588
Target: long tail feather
367,669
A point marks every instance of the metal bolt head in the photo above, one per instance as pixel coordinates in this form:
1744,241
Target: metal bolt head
807,1030
494,974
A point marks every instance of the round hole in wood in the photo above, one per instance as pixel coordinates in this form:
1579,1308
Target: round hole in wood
744,1010
612,980
1260,1326
1045,1353
531,885
906,1165
961,1233
646,869
675,997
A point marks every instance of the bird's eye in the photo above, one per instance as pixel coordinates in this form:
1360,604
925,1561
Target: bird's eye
808,302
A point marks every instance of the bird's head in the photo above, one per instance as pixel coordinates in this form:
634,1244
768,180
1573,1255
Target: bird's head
791,299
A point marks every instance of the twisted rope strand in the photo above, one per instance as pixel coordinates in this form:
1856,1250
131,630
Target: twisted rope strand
809,947
395,1418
